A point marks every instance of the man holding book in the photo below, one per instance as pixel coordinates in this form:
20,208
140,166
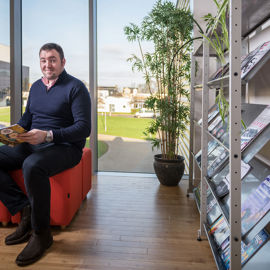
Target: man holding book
58,120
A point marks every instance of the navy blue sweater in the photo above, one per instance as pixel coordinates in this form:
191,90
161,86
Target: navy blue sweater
65,109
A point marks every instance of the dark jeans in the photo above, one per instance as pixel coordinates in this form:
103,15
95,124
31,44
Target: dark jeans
38,163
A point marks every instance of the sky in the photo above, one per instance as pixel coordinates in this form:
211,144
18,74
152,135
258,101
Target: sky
66,23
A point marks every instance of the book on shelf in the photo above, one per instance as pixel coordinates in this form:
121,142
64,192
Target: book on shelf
222,189
255,206
247,250
8,135
219,230
253,58
255,128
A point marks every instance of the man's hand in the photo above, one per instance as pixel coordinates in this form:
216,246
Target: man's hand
34,136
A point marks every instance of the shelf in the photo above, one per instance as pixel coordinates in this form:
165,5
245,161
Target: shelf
256,145
219,263
217,140
217,83
197,203
224,81
260,260
254,14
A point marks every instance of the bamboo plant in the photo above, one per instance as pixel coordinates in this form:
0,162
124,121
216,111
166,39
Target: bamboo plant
169,29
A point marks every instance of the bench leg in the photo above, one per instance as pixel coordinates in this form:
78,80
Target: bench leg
4,224
63,227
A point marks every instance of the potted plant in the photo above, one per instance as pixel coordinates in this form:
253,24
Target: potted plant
169,29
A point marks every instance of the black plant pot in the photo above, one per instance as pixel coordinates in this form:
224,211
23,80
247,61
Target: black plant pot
169,172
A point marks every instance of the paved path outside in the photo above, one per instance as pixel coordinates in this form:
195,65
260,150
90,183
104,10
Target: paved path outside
126,155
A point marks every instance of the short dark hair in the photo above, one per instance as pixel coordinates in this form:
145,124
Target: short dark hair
51,46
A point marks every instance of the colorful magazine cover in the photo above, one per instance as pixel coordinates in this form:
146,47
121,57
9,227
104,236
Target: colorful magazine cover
247,251
255,128
222,189
219,230
253,58
8,135
256,205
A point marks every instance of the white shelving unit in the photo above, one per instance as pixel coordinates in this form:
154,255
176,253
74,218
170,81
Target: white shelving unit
245,17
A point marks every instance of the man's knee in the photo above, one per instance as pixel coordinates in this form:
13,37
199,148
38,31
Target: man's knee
31,170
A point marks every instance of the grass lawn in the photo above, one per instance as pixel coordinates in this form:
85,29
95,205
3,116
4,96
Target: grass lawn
5,114
123,126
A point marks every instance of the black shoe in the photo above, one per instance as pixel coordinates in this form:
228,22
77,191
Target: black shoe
35,248
23,231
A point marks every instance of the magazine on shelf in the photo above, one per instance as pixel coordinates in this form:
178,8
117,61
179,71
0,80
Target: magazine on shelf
220,129
216,152
256,205
213,112
8,135
220,72
217,163
247,250
219,230
211,146
253,58
213,211
248,62
255,128
214,123
222,189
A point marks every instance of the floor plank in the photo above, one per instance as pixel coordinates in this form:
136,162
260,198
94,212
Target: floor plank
126,223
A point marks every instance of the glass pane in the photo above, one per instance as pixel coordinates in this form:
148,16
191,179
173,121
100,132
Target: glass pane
64,22
122,119
4,64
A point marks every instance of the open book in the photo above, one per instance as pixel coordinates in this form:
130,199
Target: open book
8,135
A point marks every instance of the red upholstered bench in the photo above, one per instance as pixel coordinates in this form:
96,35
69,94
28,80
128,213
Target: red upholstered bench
68,189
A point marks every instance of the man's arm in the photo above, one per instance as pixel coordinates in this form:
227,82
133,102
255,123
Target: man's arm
81,111
26,119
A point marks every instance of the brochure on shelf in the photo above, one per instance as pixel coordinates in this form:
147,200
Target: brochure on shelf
222,189
256,205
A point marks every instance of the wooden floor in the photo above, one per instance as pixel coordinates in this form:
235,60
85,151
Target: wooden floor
126,223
